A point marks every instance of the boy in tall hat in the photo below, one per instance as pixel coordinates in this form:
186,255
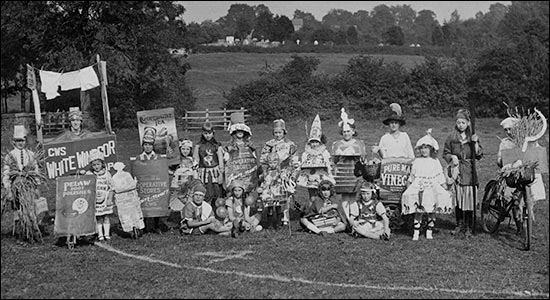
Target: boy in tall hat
22,165
395,143
147,144
280,144
208,153
241,161
316,164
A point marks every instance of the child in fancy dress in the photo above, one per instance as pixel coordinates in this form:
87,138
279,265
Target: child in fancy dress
323,215
241,210
426,191
104,194
366,215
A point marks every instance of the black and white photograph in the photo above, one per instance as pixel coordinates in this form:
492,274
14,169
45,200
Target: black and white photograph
275,149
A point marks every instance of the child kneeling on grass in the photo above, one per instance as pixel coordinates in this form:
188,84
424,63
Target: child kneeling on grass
198,216
366,215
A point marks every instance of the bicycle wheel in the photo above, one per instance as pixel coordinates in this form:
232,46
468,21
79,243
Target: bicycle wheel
526,228
493,210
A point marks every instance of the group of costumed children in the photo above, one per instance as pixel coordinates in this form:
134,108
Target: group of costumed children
210,198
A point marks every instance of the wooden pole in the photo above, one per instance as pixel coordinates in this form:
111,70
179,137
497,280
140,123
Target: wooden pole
103,83
31,84
471,103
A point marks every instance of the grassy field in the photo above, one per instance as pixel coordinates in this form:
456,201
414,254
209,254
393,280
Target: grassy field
212,74
277,264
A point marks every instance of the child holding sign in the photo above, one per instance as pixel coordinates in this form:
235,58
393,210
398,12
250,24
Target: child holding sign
104,194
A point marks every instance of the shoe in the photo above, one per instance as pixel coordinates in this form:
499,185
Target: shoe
429,235
101,238
108,237
322,233
459,228
259,228
468,233
285,223
234,232
416,235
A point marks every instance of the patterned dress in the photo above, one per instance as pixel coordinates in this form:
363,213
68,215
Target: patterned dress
104,186
426,177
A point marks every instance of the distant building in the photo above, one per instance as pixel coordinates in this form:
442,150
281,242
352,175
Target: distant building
298,23
230,40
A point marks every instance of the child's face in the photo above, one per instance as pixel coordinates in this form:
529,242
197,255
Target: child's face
348,134
237,192
198,198
239,134
425,151
97,165
75,124
208,135
273,164
325,193
147,147
279,134
394,126
314,144
185,151
508,132
366,195
462,124
20,144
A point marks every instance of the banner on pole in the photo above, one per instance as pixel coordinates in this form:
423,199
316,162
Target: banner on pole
31,78
75,206
162,124
65,158
394,173
152,186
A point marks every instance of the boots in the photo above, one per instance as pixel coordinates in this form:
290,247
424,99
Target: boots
459,228
429,234
416,235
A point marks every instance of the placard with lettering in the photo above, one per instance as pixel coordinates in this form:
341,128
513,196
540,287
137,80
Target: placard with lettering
75,205
394,173
65,158
163,123
152,186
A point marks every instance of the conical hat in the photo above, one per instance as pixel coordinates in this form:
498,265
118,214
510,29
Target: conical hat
315,132
19,132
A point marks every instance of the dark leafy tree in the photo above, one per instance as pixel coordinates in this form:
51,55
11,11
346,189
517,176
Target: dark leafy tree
394,36
282,29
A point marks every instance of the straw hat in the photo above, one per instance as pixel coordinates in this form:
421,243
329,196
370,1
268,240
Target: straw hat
96,154
75,113
509,122
237,123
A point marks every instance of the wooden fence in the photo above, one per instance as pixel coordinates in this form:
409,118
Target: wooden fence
220,119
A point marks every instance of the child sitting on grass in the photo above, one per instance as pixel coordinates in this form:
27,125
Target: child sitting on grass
366,215
323,216
198,216
241,210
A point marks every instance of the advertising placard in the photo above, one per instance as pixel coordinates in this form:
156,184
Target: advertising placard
242,166
152,186
162,124
65,158
75,205
394,173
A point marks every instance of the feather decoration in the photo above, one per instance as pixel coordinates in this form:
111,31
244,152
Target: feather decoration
345,120
396,108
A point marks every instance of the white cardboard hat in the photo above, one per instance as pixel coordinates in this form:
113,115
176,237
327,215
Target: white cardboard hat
19,132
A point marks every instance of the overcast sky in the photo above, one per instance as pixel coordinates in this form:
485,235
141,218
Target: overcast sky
198,11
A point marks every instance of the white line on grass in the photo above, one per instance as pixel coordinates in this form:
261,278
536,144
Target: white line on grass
306,281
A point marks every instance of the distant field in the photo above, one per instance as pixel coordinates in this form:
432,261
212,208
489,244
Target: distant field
212,74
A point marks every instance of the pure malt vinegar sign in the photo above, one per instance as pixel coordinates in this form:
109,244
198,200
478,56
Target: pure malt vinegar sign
394,173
